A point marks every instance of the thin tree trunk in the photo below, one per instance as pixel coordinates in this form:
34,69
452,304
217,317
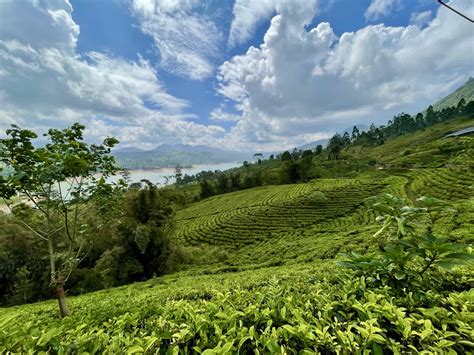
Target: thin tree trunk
63,309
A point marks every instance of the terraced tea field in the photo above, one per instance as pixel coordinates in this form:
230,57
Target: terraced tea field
308,305
272,225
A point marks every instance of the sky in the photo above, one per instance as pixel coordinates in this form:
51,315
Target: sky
236,74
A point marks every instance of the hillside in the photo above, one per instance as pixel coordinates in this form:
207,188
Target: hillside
272,267
275,225
465,92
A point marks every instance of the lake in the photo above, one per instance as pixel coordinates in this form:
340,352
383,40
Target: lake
165,176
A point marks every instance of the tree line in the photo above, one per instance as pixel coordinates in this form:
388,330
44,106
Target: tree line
401,124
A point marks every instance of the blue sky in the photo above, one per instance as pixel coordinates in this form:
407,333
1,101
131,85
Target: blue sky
239,74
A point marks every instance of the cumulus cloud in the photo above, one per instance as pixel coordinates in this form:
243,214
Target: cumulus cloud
187,41
420,19
156,128
381,8
218,114
301,80
248,13
45,83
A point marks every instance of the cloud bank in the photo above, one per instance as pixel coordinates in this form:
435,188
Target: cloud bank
301,80
44,82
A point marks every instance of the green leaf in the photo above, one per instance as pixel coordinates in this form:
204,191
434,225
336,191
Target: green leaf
135,349
272,345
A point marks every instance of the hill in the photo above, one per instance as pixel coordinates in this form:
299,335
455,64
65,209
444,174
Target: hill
267,268
262,276
276,225
465,92
170,155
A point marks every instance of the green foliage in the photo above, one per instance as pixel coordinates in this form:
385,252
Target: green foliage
257,271
57,178
465,92
410,258
278,310
286,156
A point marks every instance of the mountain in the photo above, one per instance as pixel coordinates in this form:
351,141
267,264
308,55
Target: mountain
128,150
170,155
167,148
466,91
313,145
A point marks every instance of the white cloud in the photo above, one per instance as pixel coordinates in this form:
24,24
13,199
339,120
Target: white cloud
218,114
381,8
248,13
45,83
301,81
420,19
187,41
155,128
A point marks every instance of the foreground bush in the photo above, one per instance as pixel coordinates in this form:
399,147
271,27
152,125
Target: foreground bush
244,313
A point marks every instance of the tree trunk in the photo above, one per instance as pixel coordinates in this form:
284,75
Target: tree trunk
59,290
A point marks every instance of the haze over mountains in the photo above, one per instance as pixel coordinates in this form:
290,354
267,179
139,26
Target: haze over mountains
170,155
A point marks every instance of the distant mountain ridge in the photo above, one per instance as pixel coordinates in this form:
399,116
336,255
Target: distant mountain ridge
170,155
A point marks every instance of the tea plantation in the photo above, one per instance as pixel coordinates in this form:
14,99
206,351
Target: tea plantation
287,224
286,294
267,273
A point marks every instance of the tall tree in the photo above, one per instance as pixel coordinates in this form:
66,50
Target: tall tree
286,156
346,140
334,146
430,115
235,182
222,183
355,133
178,174
461,105
319,149
58,178
206,189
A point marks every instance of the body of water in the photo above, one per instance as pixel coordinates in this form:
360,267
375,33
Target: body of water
165,176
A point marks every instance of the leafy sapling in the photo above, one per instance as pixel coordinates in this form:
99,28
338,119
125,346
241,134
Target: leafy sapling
58,179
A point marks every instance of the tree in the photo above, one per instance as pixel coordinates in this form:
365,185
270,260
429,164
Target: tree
178,174
335,145
307,154
286,156
319,149
461,105
206,189
146,218
296,153
235,182
222,183
291,172
59,179
346,140
355,133
271,157
430,115
419,120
